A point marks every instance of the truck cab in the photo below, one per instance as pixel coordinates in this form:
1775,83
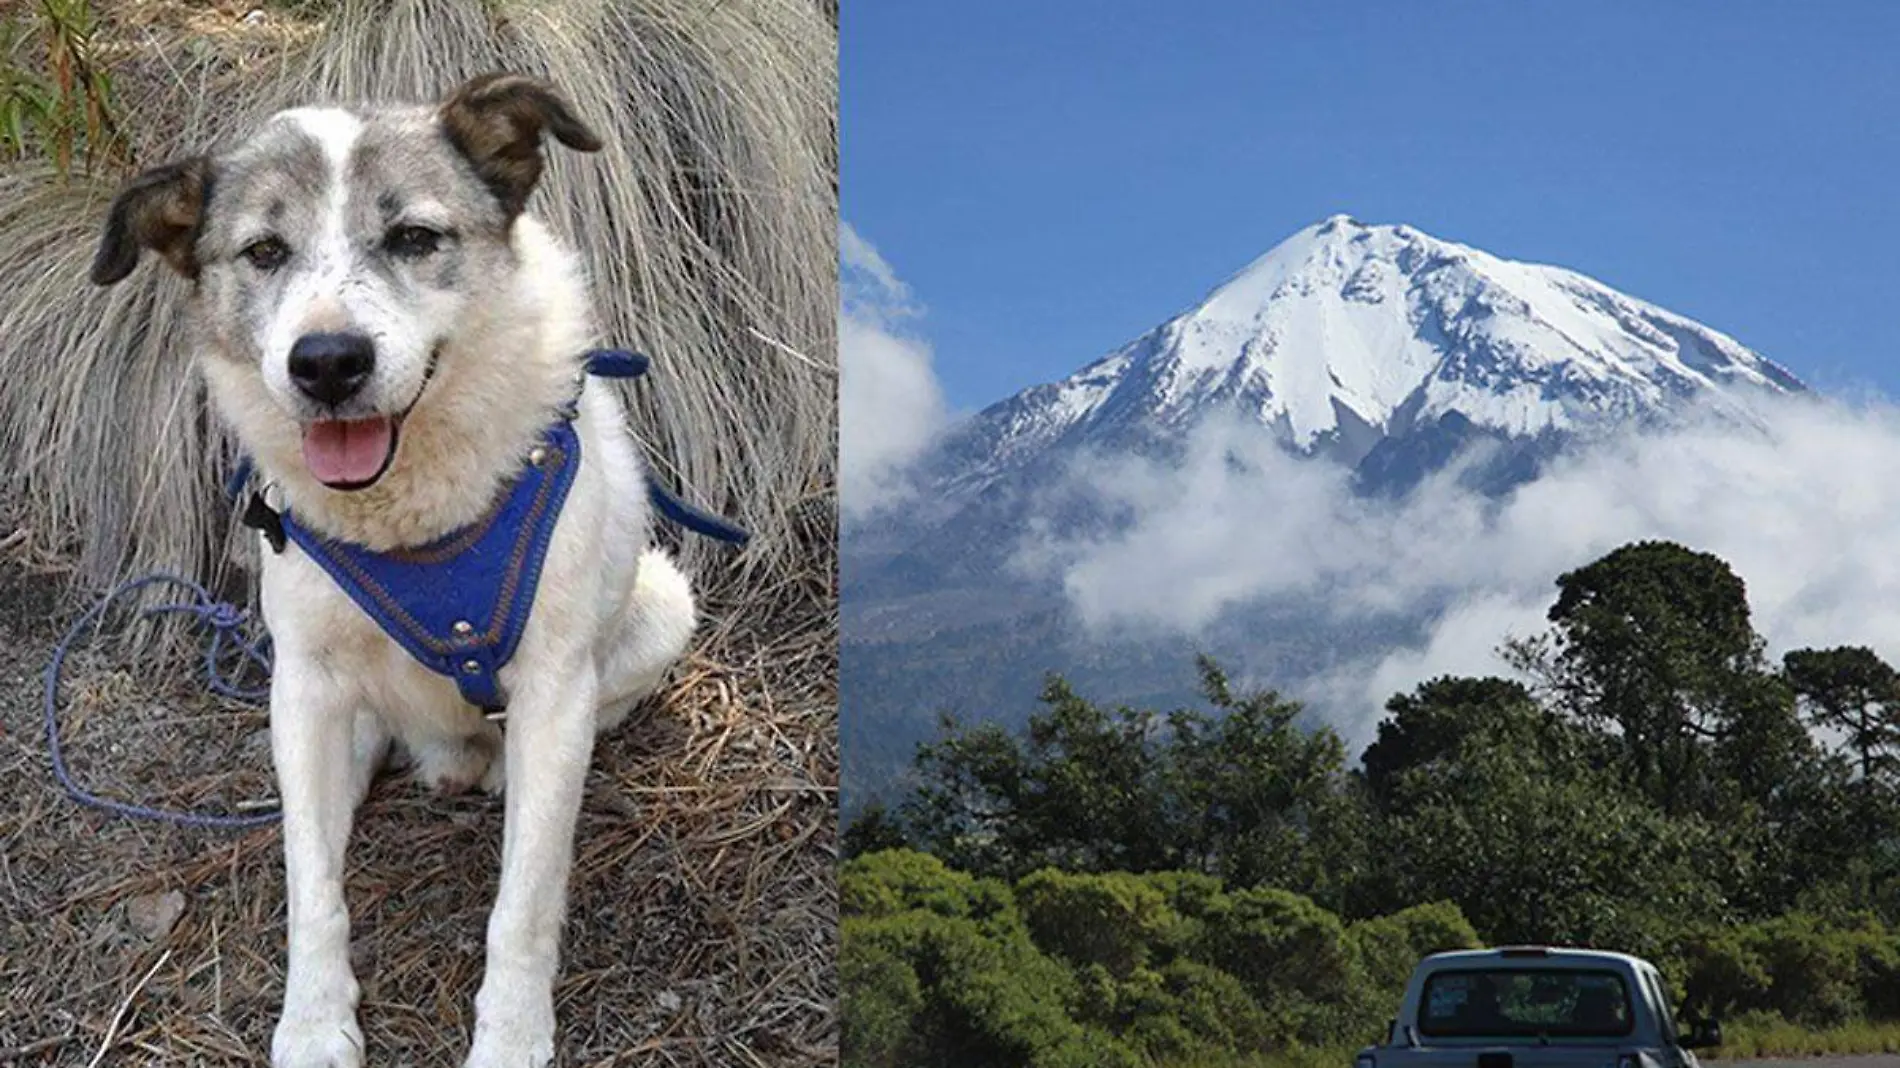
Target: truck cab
1537,1007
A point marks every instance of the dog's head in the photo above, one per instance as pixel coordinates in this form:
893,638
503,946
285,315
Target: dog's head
337,253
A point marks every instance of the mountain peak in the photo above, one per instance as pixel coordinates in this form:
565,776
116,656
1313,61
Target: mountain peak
1348,334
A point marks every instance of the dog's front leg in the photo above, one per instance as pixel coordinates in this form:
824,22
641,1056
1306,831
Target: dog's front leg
311,723
549,742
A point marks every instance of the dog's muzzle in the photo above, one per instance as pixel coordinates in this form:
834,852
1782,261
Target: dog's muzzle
348,454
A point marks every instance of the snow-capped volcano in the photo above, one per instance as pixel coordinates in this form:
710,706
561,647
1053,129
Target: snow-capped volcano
1376,346
1348,335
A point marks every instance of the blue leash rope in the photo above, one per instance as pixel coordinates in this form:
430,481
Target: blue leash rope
228,623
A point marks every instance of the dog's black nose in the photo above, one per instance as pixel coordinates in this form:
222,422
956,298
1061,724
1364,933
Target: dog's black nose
331,368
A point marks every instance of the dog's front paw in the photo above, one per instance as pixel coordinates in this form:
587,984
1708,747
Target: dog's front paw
518,1034
320,1041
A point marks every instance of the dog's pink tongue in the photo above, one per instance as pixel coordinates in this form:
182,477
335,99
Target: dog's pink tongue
341,451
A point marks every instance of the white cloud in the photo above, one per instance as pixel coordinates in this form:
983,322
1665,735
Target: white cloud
1807,512
890,406
867,277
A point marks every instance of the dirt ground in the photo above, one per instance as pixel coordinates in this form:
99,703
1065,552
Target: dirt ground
701,921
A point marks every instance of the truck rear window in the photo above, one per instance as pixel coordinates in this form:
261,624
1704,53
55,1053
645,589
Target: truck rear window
1557,1002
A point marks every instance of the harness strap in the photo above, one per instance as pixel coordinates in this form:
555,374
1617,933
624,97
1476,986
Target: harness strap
617,363
623,363
705,524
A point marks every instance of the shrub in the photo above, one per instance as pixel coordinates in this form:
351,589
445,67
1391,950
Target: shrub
1387,948
983,998
1292,956
898,880
1279,942
883,997
1108,920
1215,1007
1721,972
1798,967
1812,971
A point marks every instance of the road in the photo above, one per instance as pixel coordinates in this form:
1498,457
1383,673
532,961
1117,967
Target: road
1874,1061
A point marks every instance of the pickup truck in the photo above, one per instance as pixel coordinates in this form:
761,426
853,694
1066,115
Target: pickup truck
1537,1007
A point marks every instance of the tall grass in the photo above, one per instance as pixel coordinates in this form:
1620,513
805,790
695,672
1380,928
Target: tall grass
708,223
55,96
1768,1035
1293,1057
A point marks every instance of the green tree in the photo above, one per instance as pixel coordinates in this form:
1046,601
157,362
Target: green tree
1242,790
1655,642
1082,790
1531,842
966,807
1436,723
874,830
1261,797
1852,691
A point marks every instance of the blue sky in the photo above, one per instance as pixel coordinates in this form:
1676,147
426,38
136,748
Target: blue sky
1053,178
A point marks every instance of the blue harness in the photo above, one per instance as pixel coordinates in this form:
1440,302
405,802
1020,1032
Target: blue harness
459,604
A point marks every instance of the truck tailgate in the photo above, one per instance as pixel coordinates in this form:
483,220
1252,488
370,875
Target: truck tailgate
1514,1055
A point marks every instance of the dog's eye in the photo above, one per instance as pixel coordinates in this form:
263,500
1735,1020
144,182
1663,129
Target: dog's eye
412,242
267,254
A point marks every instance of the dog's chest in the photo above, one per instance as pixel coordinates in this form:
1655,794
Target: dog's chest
309,617
459,605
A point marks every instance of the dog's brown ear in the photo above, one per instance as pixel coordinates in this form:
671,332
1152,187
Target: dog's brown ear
161,209
497,121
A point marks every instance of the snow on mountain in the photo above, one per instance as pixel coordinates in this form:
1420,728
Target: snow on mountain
1346,335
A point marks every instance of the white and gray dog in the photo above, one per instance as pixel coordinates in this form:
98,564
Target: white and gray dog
390,337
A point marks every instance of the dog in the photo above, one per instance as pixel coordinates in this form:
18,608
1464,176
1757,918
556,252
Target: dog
390,336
